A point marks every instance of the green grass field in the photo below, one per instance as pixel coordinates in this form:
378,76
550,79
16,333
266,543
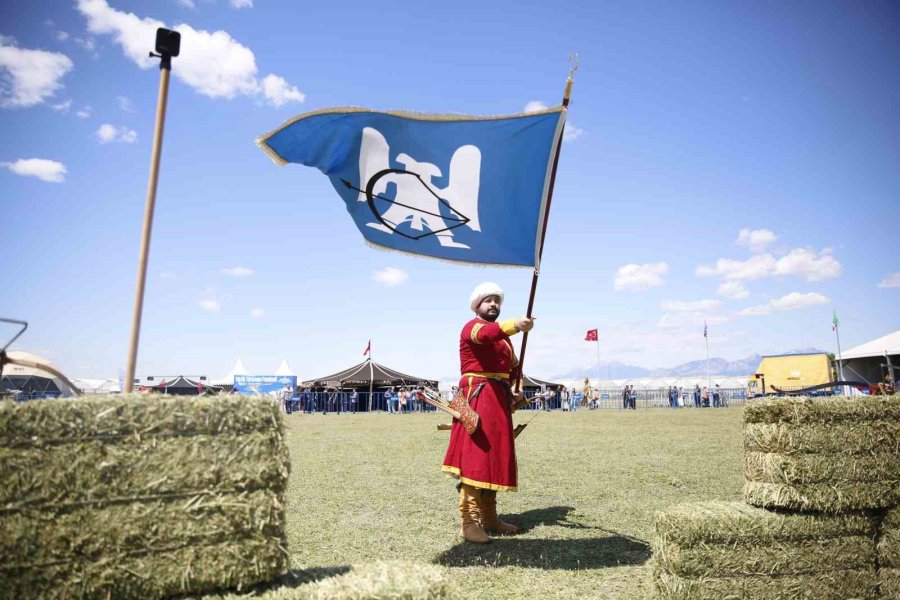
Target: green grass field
368,487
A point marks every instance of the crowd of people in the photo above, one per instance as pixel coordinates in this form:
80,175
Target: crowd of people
392,400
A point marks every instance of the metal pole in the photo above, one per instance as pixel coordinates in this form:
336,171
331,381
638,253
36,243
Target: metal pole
598,367
165,68
837,334
708,381
371,376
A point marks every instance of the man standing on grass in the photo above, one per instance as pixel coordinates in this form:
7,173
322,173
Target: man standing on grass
485,461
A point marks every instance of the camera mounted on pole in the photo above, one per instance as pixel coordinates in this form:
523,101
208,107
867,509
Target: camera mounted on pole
168,44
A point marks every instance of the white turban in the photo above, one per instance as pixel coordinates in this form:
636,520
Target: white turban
488,288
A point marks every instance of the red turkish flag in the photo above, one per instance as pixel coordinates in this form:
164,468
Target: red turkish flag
591,336
368,348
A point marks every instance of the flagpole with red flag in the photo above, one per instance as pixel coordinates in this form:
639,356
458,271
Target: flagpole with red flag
592,335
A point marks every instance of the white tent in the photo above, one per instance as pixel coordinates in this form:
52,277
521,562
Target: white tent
97,386
889,344
238,369
284,369
17,374
871,361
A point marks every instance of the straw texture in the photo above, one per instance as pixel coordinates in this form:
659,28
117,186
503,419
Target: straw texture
732,550
140,496
832,454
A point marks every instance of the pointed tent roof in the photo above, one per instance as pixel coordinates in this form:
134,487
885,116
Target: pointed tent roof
238,369
889,344
182,385
365,373
284,369
534,382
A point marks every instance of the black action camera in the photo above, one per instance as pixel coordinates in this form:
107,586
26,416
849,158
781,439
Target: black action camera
168,42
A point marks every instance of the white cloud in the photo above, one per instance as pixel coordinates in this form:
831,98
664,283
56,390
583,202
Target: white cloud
800,262
806,263
279,92
84,113
734,290
88,44
187,4
792,301
125,103
637,278
891,281
62,107
755,239
257,313
238,271
43,169
241,3
210,305
690,321
214,64
31,76
697,305
109,133
572,133
390,276
61,36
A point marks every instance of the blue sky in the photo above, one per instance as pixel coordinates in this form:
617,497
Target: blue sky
734,162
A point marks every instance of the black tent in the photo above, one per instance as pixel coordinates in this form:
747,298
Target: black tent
181,386
365,374
533,383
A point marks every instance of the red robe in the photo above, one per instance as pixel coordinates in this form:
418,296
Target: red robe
487,458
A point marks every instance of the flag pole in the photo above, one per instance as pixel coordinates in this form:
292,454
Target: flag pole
708,380
597,341
837,335
169,48
573,66
371,375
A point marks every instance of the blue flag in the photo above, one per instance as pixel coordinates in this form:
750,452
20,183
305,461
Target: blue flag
466,189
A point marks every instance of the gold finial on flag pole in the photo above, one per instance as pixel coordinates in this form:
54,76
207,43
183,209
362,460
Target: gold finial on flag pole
573,66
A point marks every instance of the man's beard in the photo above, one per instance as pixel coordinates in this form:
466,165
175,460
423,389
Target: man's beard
490,317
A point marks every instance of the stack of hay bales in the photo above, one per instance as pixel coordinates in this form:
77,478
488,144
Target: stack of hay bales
820,475
140,496
822,455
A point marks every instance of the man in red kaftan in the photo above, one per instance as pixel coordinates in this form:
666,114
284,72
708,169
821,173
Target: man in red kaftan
485,461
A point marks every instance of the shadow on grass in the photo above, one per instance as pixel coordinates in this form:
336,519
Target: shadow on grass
611,550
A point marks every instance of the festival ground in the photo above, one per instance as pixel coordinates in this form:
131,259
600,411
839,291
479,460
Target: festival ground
368,487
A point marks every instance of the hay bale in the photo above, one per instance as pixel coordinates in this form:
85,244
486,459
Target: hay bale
380,580
731,550
830,454
881,437
836,409
140,496
889,555
838,585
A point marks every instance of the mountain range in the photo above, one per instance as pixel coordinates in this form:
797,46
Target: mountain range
717,366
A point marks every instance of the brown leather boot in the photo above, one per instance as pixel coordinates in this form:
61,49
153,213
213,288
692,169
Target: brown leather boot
487,509
468,509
